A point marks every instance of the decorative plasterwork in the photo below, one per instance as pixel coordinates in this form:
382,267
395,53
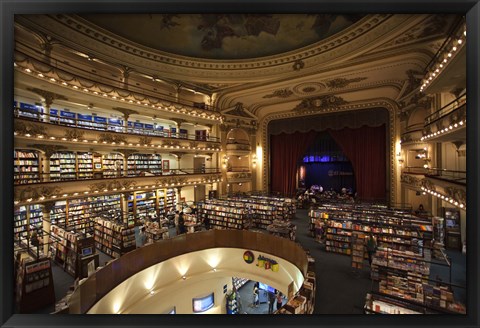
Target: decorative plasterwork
87,31
29,192
24,128
459,194
170,180
47,95
320,103
426,183
79,84
340,83
111,185
281,93
74,134
125,111
373,103
144,140
111,137
411,180
239,176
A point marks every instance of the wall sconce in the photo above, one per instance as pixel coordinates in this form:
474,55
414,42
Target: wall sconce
427,161
254,161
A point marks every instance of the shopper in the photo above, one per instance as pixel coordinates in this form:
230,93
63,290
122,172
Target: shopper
255,295
142,236
279,300
371,244
34,240
177,228
181,223
271,301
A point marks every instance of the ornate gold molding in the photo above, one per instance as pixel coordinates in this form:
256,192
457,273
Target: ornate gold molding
29,192
111,137
112,184
23,128
388,104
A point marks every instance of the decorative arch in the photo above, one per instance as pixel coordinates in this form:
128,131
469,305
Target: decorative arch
393,172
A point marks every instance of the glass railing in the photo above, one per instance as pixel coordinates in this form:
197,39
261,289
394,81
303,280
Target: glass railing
34,115
21,178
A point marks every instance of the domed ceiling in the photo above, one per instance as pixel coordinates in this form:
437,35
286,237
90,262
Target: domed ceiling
223,36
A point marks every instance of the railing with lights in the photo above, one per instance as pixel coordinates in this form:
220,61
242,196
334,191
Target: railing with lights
444,55
446,198
447,109
35,115
455,110
21,178
67,69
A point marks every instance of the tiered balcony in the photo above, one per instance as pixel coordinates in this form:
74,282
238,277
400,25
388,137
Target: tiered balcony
448,123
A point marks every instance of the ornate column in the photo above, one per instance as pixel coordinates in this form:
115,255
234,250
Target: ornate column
125,153
179,157
46,208
126,114
49,98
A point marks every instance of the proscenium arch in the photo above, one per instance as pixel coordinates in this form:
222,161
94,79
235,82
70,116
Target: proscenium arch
393,135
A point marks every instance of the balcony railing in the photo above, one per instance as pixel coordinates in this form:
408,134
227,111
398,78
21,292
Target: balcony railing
459,177
69,69
100,126
414,170
238,169
447,109
21,178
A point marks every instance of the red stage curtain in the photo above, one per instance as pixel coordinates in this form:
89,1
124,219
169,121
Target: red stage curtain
285,151
366,149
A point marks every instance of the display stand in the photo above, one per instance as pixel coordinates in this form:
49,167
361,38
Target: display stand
34,283
358,249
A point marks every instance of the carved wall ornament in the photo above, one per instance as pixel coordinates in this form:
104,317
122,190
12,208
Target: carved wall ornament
144,140
170,143
29,192
111,137
22,128
281,93
411,180
413,81
426,183
111,184
320,103
298,65
47,95
457,194
342,82
71,134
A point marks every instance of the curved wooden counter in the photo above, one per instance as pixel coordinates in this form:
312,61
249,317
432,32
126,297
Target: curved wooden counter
103,281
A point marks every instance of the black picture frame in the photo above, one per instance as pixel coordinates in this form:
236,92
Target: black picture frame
9,8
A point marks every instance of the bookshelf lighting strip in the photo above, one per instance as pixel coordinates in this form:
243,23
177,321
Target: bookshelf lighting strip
64,196
452,201
169,108
40,136
456,45
445,130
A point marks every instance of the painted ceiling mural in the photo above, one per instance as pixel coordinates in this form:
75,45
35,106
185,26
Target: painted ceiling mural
223,36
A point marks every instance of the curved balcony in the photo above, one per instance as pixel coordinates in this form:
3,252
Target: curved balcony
20,178
78,78
448,123
73,122
412,134
89,295
447,176
48,191
28,132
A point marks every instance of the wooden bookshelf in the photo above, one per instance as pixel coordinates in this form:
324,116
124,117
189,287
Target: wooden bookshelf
112,238
34,283
26,166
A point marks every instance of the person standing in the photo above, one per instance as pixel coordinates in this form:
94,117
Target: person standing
175,218
143,237
271,301
181,223
255,295
371,245
279,300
